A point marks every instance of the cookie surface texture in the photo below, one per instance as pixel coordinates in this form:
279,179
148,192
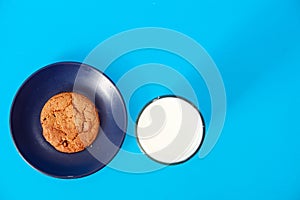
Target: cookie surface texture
70,122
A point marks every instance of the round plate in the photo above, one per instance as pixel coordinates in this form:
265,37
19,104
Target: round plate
26,129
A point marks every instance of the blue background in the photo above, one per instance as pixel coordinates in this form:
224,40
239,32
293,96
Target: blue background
255,44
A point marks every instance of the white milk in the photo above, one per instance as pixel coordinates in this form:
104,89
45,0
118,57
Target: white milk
170,130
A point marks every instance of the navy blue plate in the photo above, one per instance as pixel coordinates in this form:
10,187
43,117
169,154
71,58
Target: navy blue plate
26,129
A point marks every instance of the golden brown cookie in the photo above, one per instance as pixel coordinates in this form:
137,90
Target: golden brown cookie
70,122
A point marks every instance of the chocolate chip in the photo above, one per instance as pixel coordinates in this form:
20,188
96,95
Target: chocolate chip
65,143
